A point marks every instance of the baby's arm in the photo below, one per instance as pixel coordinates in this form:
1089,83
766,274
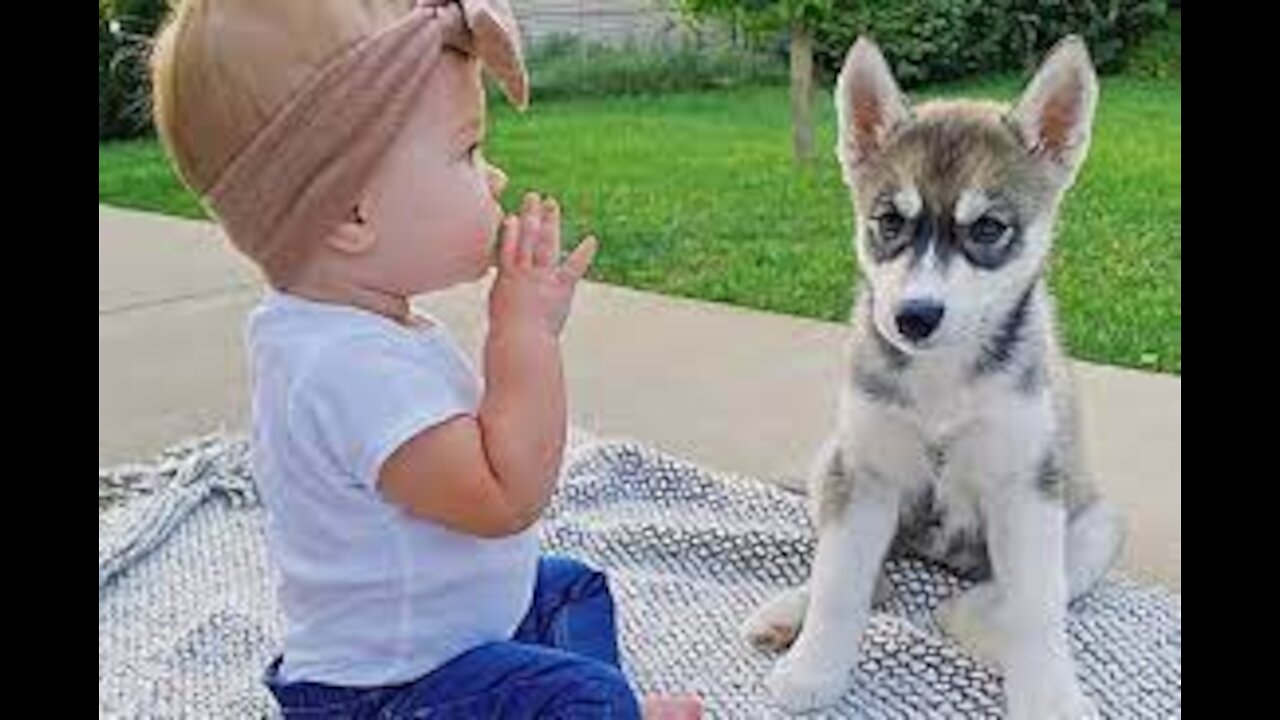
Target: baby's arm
492,475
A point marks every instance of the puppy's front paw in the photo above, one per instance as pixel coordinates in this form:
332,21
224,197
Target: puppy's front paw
774,625
968,619
1048,696
769,634
800,686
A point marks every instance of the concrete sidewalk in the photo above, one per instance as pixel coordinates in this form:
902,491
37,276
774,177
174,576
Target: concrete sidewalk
743,391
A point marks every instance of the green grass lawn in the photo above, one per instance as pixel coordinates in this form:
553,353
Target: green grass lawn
696,195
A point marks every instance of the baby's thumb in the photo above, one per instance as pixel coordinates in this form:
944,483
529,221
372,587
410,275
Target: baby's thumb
575,266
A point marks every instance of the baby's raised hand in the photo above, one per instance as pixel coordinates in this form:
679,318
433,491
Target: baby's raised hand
534,290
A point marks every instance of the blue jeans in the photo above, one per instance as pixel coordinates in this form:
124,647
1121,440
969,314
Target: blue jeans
562,664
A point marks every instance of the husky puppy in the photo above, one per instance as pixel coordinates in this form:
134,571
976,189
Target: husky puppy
956,437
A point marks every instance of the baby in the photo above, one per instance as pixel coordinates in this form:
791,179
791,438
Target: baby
339,144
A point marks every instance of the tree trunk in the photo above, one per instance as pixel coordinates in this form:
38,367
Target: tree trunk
802,94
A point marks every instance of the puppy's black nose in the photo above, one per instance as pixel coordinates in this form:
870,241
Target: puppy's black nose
917,319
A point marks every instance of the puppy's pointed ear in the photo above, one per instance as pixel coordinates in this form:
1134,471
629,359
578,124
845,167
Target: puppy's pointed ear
1055,114
869,105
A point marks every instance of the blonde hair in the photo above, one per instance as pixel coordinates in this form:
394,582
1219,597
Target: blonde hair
222,68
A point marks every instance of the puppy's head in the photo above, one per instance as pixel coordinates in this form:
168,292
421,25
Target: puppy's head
956,200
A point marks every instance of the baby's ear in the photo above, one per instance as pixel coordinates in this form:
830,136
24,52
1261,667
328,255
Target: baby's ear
352,237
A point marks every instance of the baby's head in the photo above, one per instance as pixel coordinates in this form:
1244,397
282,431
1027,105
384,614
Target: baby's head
337,139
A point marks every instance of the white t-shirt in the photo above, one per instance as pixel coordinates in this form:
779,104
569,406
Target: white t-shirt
371,595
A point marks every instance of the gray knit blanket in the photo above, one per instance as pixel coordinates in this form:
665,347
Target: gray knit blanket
187,618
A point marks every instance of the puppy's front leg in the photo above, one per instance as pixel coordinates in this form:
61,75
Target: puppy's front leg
851,548
1027,542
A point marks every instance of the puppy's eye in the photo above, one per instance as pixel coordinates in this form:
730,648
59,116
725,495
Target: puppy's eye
890,224
987,231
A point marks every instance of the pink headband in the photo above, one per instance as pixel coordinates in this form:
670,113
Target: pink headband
302,174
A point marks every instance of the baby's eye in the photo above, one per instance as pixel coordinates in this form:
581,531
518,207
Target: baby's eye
473,152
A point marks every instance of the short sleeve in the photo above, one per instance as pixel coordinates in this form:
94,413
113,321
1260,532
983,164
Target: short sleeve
362,398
